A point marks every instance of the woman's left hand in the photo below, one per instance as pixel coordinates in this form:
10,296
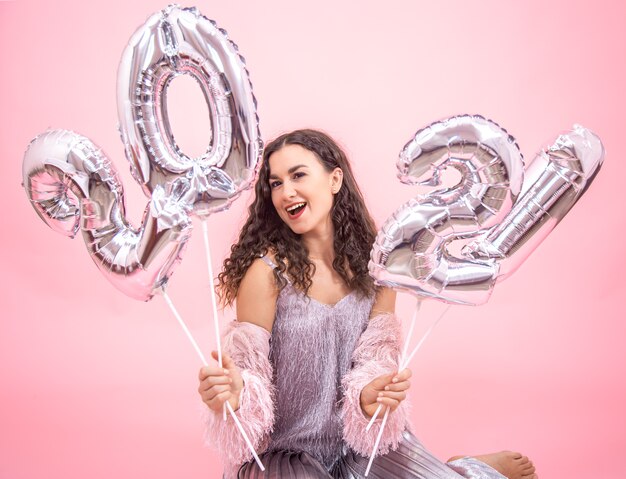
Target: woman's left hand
389,390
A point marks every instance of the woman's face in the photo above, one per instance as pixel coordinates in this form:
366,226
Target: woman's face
302,190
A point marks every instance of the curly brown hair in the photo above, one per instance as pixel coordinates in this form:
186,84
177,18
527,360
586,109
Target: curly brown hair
264,232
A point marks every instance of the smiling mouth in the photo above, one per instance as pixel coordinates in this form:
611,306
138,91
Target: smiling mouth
296,209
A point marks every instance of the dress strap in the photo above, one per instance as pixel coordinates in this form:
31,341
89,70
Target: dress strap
272,265
269,262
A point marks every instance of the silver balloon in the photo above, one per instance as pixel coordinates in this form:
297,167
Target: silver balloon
414,251
556,180
74,187
411,251
174,42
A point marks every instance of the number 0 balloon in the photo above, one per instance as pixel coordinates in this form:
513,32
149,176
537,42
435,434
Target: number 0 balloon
181,41
505,217
73,186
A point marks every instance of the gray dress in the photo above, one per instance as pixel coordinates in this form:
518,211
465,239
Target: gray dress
310,351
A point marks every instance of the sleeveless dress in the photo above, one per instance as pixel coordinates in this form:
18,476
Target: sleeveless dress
311,346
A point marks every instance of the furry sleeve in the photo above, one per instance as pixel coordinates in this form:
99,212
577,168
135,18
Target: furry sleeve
376,353
248,346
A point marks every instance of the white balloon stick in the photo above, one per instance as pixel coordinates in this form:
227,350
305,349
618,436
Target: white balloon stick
212,288
416,349
380,433
216,325
185,328
204,362
403,366
407,340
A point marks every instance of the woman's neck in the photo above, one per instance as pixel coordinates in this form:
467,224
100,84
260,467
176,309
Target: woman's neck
320,244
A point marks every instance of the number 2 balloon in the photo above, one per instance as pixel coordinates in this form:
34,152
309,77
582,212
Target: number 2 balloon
74,187
503,216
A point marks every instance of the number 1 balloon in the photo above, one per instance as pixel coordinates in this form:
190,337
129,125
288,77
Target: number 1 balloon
413,252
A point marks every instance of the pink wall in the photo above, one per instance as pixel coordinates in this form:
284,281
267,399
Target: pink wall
97,385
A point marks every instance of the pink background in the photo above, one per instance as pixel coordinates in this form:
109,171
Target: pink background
94,384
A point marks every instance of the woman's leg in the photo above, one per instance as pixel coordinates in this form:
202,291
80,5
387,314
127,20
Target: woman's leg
409,461
287,464
412,461
512,465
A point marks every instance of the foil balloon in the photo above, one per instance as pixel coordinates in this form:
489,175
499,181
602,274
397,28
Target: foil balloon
555,181
180,41
497,216
74,187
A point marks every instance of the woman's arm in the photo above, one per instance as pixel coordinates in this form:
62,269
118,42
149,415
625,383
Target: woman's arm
389,389
385,302
256,298
246,350
374,361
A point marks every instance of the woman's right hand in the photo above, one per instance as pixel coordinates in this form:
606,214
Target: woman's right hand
218,385
388,390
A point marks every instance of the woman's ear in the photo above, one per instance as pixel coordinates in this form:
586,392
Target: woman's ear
336,180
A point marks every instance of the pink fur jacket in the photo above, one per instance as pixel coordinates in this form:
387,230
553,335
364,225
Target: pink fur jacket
376,353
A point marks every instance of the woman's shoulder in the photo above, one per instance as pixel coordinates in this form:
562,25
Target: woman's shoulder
260,273
257,294
384,302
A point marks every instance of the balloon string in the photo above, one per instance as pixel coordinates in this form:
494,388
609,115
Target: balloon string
204,362
216,325
406,363
407,340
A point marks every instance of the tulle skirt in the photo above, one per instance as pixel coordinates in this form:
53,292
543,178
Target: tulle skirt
409,461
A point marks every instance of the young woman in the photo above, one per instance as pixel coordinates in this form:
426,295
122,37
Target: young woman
314,349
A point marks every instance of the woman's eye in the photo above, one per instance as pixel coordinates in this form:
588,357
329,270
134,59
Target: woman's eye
274,184
299,174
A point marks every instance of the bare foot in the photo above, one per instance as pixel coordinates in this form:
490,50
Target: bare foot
510,464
